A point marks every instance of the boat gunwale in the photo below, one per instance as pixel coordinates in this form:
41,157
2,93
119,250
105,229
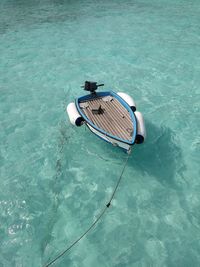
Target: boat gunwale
122,101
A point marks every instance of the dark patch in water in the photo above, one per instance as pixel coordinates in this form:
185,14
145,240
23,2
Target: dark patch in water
17,14
160,156
57,184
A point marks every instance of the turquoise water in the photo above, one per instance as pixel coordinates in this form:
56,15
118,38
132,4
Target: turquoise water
55,178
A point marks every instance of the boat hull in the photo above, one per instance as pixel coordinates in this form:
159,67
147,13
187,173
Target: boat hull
109,139
112,124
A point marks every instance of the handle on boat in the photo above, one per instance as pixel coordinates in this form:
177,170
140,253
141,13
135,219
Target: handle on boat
91,86
102,84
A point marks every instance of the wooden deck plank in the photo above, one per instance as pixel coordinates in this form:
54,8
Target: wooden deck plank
97,120
115,122
115,119
103,122
122,109
123,122
114,125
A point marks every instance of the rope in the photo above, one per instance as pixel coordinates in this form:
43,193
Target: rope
118,182
97,219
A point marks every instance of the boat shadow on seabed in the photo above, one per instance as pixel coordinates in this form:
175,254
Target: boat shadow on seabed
160,156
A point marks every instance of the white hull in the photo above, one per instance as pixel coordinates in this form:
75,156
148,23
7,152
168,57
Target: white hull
110,139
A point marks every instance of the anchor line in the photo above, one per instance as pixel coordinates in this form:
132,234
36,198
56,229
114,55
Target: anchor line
97,219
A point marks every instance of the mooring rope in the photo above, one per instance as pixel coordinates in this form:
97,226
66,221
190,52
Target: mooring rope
97,219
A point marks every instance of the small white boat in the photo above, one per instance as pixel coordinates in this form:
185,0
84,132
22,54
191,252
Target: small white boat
111,116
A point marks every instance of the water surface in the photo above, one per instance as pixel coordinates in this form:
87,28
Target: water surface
55,178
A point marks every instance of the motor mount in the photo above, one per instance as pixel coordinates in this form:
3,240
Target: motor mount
91,86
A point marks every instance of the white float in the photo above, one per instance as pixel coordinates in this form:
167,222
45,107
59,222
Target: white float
141,130
128,99
74,116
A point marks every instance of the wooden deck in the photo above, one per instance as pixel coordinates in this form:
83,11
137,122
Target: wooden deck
114,118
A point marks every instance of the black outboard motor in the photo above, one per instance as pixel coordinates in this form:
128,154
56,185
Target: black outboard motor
91,86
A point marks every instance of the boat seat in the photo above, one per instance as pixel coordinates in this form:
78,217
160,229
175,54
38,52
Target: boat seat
97,109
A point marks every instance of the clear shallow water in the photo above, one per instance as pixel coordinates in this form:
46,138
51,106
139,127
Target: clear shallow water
55,178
